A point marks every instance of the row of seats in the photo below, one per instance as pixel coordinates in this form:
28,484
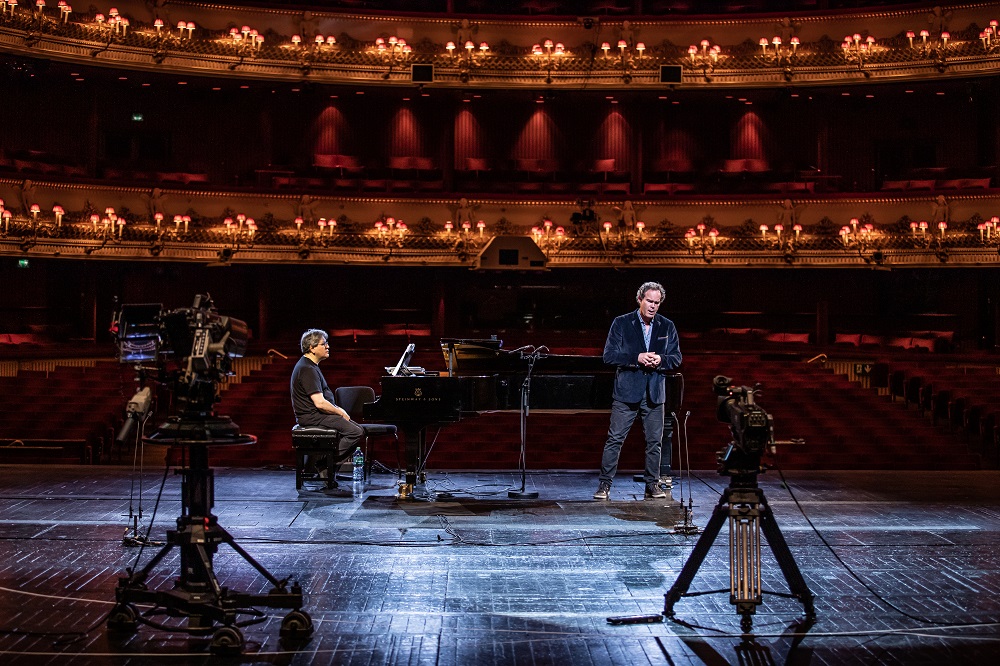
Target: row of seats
164,177
844,426
934,185
411,174
31,167
40,168
29,162
65,414
572,9
958,397
601,176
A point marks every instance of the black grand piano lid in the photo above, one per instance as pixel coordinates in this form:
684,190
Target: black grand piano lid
477,354
472,346
486,356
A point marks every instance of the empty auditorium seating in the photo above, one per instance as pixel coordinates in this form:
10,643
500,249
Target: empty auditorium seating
924,185
956,396
935,417
843,425
63,413
414,174
603,177
669,176
537,175
475,174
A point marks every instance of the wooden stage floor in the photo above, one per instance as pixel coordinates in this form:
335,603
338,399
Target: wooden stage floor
905,569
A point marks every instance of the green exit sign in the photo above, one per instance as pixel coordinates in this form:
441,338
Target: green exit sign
22,263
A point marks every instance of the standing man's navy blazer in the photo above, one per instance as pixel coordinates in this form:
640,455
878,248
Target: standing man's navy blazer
623,346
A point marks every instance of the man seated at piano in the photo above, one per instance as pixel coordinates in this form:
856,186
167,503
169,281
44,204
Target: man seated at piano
312,399
643,346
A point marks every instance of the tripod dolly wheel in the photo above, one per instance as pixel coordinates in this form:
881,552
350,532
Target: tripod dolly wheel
296,626
124,619
227,642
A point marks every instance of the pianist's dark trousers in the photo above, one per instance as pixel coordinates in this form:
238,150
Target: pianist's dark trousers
623,415
351,433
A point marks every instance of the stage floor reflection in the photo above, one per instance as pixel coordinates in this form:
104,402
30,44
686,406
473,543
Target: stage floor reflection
478,578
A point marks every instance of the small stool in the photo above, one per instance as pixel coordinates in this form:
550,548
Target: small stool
315,441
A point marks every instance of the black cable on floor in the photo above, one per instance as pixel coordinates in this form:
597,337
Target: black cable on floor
851,572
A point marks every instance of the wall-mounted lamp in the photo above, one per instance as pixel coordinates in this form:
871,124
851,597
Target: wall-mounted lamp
857,49
778,54
702,240
624,57
548,237
392,51
467,56
705,58
548,54
863,239
240,232
245,42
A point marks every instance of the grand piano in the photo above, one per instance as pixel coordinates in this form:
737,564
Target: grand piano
480,377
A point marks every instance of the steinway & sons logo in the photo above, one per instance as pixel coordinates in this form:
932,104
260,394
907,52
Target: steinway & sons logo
418,396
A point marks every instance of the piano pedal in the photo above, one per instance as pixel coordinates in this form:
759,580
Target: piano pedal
405,491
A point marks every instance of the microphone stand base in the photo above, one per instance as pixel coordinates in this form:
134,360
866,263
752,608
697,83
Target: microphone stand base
522,494
681,528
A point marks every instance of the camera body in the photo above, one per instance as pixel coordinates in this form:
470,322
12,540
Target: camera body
191,349
751,427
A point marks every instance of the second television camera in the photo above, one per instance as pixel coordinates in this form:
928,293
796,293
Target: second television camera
190,350
751,426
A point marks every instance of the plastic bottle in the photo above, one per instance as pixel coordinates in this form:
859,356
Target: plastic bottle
359,465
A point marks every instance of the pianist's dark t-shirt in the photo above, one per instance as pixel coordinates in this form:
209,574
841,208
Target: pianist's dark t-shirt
306,380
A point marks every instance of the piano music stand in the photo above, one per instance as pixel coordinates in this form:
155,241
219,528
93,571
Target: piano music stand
402,366
525,402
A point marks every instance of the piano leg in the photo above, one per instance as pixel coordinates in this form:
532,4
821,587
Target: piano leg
415,442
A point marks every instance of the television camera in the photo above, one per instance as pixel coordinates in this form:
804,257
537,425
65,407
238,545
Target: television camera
190,350
747,511
751,427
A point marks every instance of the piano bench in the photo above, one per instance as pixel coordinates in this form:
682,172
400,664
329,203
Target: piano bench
311,442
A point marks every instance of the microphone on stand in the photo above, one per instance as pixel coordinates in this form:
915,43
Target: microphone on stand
530,357
525,351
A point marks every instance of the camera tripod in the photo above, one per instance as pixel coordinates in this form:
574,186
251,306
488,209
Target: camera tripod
744,505
196,594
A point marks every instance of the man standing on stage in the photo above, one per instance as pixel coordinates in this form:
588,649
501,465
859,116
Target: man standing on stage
643,347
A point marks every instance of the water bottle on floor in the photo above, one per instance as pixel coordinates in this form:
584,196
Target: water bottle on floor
359,471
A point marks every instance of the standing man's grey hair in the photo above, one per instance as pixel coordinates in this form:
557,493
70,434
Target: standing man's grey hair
646,286
311,338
